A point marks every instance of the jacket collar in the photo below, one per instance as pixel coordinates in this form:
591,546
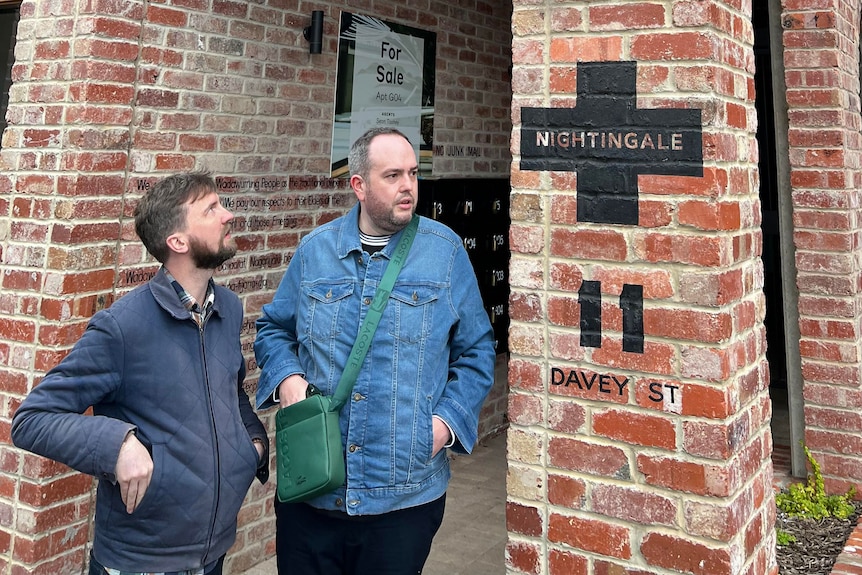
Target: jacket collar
348,236
166,296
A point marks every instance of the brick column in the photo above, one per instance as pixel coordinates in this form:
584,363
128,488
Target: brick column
639,442
63,161
822,76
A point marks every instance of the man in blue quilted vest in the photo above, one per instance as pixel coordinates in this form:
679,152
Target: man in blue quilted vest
173,440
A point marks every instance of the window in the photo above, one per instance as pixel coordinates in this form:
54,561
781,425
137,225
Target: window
9,14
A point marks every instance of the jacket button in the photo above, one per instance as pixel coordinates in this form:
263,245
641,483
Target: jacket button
367,301
352,449
357,396
339,502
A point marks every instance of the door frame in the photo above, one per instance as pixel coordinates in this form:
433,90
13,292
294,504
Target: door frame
790,293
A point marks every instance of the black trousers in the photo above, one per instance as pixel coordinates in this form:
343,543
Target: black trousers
314,542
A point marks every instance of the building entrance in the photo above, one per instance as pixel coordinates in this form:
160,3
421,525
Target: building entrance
779,271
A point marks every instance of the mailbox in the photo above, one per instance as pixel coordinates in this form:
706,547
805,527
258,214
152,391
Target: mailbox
478,211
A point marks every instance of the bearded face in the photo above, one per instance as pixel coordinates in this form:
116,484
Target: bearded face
207,258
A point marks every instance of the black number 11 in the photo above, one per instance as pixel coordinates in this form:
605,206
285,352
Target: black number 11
632,306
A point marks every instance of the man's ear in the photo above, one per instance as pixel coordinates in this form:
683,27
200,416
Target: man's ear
177,243
358,185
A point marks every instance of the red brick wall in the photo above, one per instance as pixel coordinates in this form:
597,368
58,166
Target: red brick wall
627,482
822,76
107,97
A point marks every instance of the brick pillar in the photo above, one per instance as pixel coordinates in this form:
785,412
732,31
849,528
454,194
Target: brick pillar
822,76
637,447
62,185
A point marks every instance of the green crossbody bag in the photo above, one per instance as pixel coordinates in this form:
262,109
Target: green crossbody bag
309,452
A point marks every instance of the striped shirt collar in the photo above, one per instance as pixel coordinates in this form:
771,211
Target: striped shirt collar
198,314
372,244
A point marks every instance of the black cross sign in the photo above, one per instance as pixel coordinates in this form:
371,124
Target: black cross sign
609,142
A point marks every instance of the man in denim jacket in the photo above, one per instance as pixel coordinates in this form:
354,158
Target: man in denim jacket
173,439
419,390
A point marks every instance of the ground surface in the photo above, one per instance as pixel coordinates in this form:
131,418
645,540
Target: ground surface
817,545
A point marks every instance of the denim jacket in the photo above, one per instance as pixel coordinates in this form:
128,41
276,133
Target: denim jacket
432,354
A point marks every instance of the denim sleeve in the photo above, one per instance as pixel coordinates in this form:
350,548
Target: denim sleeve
471,357
276,343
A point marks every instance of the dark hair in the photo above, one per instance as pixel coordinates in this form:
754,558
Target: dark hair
162,212
357,159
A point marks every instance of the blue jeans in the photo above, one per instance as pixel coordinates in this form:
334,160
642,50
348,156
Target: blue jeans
97,568
315,542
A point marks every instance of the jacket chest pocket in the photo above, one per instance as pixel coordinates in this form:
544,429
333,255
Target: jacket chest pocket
327,304
410,312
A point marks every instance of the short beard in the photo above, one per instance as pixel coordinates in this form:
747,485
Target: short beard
206,259
385,220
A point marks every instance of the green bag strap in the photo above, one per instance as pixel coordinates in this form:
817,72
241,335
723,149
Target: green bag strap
372,318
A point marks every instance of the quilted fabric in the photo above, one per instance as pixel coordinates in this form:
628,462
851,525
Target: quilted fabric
144,364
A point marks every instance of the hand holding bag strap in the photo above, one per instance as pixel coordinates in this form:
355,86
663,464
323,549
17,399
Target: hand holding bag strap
372,318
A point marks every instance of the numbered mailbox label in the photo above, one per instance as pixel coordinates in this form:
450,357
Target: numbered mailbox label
437,210
497,311
498,242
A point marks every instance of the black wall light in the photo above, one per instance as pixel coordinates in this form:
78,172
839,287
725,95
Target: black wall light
314,33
